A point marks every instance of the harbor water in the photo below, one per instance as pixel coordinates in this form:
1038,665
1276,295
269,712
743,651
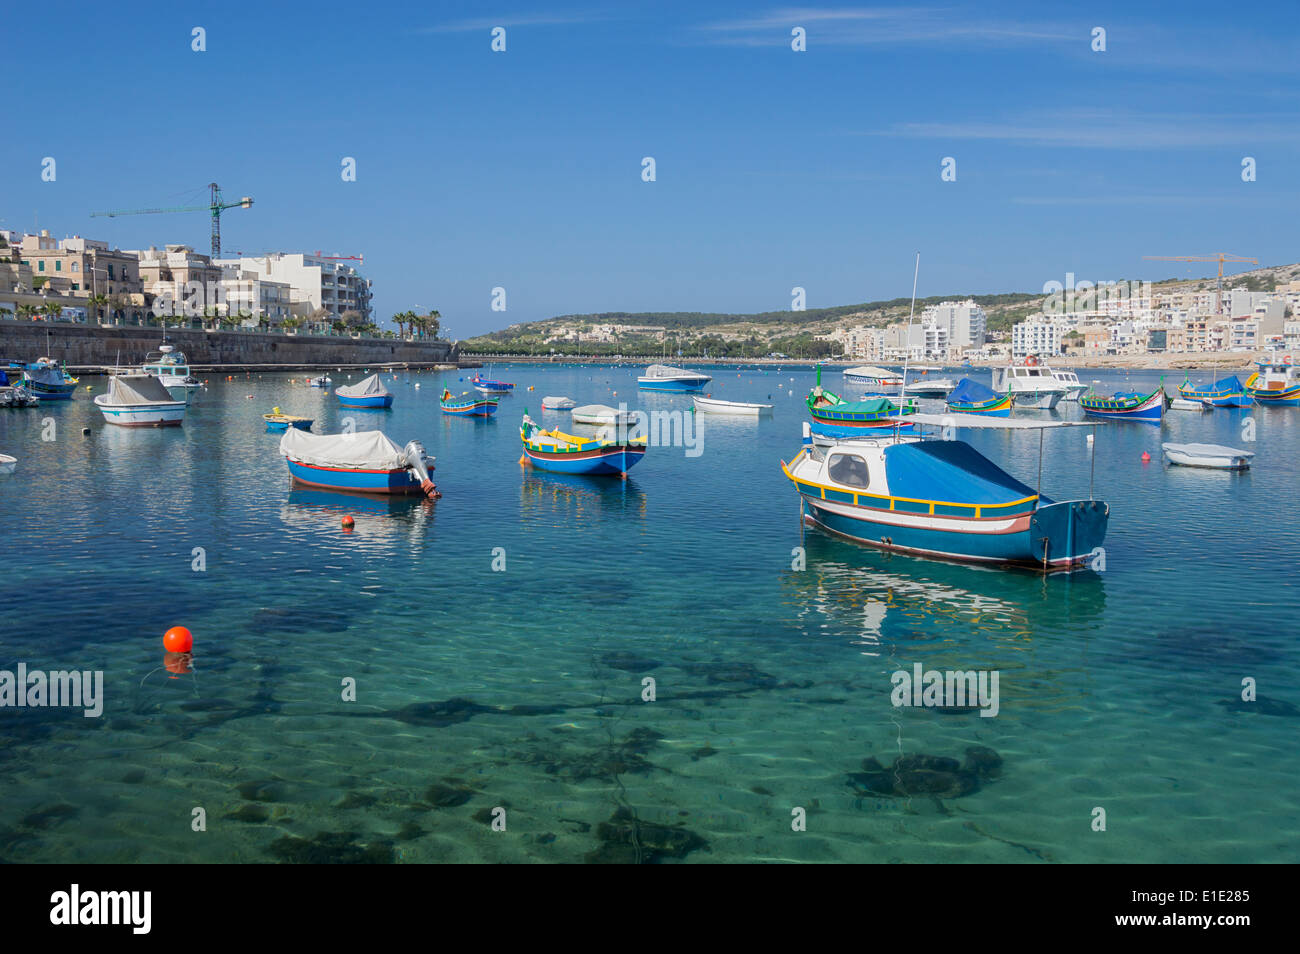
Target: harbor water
538,668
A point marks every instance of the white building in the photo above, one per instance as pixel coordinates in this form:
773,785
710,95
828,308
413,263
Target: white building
248,294
965,323
1037,335
315,281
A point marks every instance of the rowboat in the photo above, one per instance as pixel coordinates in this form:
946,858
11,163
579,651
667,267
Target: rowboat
7,464
661,377
971,397
277,421
1208,455
597,414
942,498
485,386
364,461
322,382
562,453
554,403
1126,405
139,400
366,393
711,405
1276,382
835,417
1226,392
466,404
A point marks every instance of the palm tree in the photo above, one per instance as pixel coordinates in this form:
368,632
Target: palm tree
435,322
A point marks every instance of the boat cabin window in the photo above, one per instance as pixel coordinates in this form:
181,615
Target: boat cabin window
849,470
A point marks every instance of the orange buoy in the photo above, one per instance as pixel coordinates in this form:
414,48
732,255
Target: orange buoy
1145,457
348,523
178,639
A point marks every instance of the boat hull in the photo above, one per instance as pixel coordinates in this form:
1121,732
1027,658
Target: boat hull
379,401
1040,400
860,429
1150,409
50,392
739,409
1000,407
473,409
673,385
1216,398
615,460
279,427
400,481
1285,396
1058,536
168,415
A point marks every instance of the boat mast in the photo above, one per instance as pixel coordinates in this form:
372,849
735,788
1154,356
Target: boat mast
907,350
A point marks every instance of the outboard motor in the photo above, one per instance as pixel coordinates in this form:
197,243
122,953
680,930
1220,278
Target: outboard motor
421,465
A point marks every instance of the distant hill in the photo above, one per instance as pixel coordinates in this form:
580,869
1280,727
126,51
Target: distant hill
787,332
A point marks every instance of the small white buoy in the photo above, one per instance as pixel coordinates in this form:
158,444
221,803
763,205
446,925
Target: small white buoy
1089,438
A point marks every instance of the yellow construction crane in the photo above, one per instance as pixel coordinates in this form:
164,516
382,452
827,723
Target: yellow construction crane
1219,257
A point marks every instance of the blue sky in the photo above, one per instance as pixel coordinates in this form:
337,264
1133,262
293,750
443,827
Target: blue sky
775,169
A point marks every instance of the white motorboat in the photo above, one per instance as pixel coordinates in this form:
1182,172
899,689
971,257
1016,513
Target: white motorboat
1183,404
873,377
1030,385
323,381
715,406
661,377
7,464
555,403
929,387
173,370
1208,455
17,396
140,400
596,414
1074,387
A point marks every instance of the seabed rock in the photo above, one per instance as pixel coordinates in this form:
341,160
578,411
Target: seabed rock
331,848
625,839
933,775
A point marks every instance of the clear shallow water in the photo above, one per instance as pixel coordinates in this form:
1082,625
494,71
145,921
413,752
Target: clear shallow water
772,683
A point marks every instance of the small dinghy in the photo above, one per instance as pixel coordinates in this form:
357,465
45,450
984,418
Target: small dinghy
712,405
1208,455
366,393
553,403
365,461
7,464
596,414
322,382
279,421
1183,404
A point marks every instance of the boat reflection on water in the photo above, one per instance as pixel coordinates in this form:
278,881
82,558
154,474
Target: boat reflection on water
381,520
888,601
550,496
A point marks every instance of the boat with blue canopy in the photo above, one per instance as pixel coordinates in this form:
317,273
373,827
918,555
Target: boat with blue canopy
46,379
1127,405
608,452
971,397
1226,392
942,498
835,417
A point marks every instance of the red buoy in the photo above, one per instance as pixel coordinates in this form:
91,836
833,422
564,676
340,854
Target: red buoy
1145,457
178,639
348,523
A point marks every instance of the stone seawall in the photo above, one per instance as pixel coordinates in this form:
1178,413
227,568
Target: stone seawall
95,346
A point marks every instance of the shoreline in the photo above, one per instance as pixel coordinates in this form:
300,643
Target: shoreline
1199,361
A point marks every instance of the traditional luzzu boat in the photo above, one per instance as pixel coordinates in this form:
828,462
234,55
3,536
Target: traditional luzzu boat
139,400
485,386
661,377
1226,392
943,499
366,393
362,461
1276,382
562,453
835,417
1127,405
971,397
45,379
467,405
278,421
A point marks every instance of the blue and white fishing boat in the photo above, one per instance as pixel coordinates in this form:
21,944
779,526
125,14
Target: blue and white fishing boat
139,400
1226,392
1127,405
362,461
942,498
971,397
605,453
366,393
661,377
487,386
466,404
835,417
1276,382
48,381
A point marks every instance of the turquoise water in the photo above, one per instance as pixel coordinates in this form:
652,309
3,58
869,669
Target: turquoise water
522,689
